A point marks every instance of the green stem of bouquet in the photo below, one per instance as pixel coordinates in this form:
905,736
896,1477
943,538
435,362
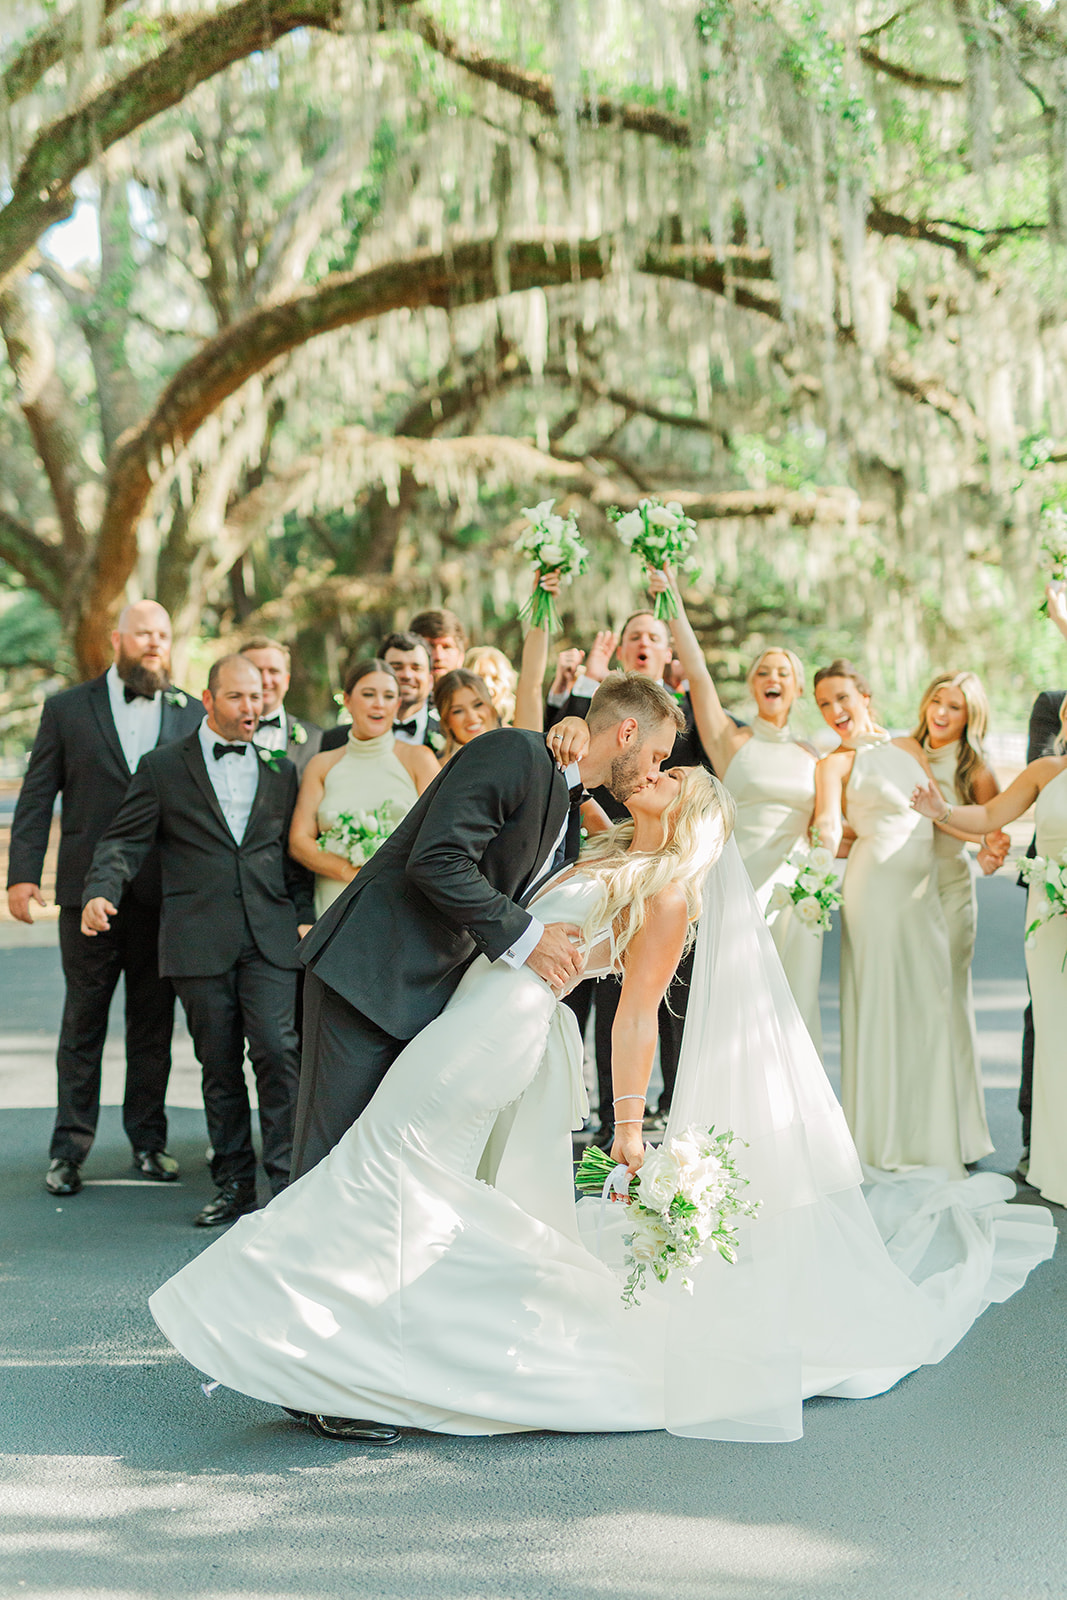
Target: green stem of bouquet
541,610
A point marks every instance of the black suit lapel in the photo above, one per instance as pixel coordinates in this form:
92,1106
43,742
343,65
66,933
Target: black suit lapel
558,802
101,704
194,760
265,775
170,719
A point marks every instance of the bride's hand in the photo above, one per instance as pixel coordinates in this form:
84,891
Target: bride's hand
568,741
927,801
628,1147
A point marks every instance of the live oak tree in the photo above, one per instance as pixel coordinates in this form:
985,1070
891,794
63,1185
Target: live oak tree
362,266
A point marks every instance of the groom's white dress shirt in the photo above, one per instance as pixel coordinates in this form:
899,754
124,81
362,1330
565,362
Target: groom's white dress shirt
531,937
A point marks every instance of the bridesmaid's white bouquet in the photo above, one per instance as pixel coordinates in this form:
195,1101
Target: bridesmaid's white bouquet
814,892
1052,873
556,546
356,835
685,1200
659,534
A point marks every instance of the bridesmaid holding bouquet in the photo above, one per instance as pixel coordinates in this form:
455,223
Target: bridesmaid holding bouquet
771,775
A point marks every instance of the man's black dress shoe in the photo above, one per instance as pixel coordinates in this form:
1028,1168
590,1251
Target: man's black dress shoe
231,1202
353,1429
157,1164
63,1177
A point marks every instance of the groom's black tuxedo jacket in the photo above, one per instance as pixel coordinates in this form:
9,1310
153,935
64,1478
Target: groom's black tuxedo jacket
212,886
444,886
77,751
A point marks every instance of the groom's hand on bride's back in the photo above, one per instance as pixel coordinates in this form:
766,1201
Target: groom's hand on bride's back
556,956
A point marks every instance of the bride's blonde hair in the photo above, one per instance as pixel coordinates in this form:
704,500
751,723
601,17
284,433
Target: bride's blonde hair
697,824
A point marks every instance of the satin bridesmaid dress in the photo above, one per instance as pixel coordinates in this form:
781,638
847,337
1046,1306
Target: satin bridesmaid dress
1048,988
959,902
898,1075
772,780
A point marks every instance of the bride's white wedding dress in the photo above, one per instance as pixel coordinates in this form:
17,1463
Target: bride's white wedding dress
431,1271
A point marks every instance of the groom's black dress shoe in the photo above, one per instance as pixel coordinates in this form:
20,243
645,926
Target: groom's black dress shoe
63,1177
232,1201
157,1164
352,1429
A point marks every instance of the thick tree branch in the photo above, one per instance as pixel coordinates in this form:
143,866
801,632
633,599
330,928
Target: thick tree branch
42,192
25,71
902,74
41,564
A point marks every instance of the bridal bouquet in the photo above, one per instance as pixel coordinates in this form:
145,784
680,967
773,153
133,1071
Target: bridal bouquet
555,546
814,891
356,835
685,1200
658,534
1053,874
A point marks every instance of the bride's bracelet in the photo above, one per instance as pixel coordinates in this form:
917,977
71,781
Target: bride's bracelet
619,1097
628,1122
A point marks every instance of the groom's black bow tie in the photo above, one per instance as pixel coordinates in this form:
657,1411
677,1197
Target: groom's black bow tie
229,750
271,722
130,695
578,794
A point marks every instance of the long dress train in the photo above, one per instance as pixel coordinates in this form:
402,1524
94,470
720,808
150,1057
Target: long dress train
1045,958
772,780
431,1271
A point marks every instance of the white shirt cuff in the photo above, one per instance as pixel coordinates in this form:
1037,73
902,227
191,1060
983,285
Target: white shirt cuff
524,944
559,699
585,687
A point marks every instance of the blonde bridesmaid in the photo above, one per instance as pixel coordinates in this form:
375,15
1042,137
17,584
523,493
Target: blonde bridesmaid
1042,784
953,717
771,775
898,1081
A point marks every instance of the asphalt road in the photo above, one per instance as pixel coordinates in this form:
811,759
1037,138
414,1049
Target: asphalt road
118,1478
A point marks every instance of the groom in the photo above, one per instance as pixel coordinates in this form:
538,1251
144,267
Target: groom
450,883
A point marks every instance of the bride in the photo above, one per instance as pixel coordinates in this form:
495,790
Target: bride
433,1271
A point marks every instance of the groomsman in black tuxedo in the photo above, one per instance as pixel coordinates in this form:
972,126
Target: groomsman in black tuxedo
90,740
296,737
451,882
1043,733
416,721
234,906
644,647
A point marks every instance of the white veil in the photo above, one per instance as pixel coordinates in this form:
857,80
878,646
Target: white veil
817,1303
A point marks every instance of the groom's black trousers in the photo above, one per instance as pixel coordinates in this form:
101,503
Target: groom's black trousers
345,1058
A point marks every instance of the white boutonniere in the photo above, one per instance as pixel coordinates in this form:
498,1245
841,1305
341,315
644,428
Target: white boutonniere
298,733
270,758
175,697
437,742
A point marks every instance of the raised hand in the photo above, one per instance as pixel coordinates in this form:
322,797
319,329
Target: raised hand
567,664
551,582
659,580
1056,596
927,801
568,741
598,661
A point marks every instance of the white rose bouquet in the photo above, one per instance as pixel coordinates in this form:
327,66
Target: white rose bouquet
1052,874
814,892
356,835
658,534
555,546
684,1201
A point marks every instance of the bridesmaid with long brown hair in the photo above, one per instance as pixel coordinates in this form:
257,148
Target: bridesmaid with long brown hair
951,727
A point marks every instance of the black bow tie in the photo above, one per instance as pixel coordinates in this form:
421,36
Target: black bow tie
577,795
271,722
229,750
130,695
410,728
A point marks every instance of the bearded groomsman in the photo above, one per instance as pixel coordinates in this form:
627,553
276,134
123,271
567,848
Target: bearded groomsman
90,740
296,738
234,906
416,720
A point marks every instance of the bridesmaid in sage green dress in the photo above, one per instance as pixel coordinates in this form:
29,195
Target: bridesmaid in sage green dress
953,717
373,770
771,774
